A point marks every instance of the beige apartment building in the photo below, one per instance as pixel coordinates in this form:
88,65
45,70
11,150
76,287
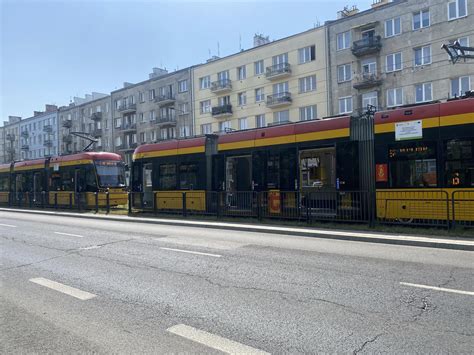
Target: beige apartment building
391,55
271,83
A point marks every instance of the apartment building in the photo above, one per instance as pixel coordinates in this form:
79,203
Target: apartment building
156,109
271,83
2,145
11,141
390,55
86,120
39,134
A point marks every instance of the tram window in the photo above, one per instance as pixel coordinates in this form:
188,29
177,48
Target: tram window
56,181
318,167
460,163
413,165
4,183
273,171
188,176
168,177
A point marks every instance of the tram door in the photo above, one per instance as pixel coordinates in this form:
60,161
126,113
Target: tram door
37,187
239,173
147,185
79,185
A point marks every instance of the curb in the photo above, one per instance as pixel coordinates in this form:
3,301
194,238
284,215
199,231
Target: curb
409,240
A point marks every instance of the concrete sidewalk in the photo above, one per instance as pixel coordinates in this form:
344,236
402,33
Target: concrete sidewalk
373,237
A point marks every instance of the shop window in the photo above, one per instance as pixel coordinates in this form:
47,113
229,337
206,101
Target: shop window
459,163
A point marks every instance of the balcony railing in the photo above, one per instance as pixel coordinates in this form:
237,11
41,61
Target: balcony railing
47,128
96,116
280,99
277,71
127,108
25,134
127,146
128,127
48,143
67,123
367,45
25,147
165,99
10,137
166,120
97,132
222,111
222,85
366,80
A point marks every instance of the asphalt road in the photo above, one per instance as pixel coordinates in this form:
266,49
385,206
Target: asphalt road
79,285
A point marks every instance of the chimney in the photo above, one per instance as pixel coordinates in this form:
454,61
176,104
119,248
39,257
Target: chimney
36,113
51,108
347,12
259,40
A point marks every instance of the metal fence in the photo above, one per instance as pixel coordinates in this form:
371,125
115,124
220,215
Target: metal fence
463,208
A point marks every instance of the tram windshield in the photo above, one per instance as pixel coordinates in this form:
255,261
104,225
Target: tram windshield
111,173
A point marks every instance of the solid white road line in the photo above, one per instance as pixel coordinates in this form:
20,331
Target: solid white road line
68,290
7,225
70,235
213,341
438,288
192,252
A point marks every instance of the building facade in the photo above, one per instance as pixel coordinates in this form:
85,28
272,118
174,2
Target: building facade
39,134
390,55
84,120
271,83
11,139
159,108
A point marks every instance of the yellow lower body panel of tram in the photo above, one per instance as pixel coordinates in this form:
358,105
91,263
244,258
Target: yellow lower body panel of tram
117,197
173,200
4,196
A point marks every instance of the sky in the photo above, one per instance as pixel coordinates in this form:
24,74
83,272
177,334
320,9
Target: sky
51,51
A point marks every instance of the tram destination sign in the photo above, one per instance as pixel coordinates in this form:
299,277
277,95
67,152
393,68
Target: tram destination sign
408,130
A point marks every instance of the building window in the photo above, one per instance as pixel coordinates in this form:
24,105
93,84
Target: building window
141,117
259,95
242,98
118,122
205,82
118,141
421,19
281,116
151,94
183,85
460,85
205,106
457,9
242,72
184,131
223,100
258,67
153,136
370,98
223,75
243,124
393,27
142,137
206,128
423,92
307,83
152,116
308,113
260,121
394,97
98,108
344,73
306,54
141,97
343,40
183,108
345,104
225,126
422,55
393,62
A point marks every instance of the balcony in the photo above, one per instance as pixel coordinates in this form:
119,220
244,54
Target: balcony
280,99
10,137
24,134
222,111
126,127
166,99
25,147
366,81
97,132
96,116
367,45
221,86
166,121
10,150
67,123
47,128
278,71
67,139
127,108
125,146
48,143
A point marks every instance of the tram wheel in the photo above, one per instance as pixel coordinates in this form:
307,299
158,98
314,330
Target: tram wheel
405,220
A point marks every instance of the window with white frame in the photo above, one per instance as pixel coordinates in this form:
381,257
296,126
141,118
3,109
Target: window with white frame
259,95
118,122
206,128
460,85
457,9
184,131
281,116
141,97
306,54
223,100
142,137
308,113
242,72
343,40
118,141
205,106
280,88
393,27
141,117
153,136
393,62
259,67
183,108
131,100
151,94
422,55
369,66
98,108
225,126
423,92
205,82
223,75
421,19
345,104
152,116
183,85
307,83
243,123
369,98
394,97
260,120
134,138
106,107
242,98
344,73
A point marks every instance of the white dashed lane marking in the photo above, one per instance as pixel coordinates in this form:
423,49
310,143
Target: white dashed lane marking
7,225
191,252
68,290
461,292
69,234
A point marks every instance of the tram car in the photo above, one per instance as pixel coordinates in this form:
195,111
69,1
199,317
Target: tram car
61,180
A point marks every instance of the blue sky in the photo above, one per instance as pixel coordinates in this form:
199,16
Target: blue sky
54,50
